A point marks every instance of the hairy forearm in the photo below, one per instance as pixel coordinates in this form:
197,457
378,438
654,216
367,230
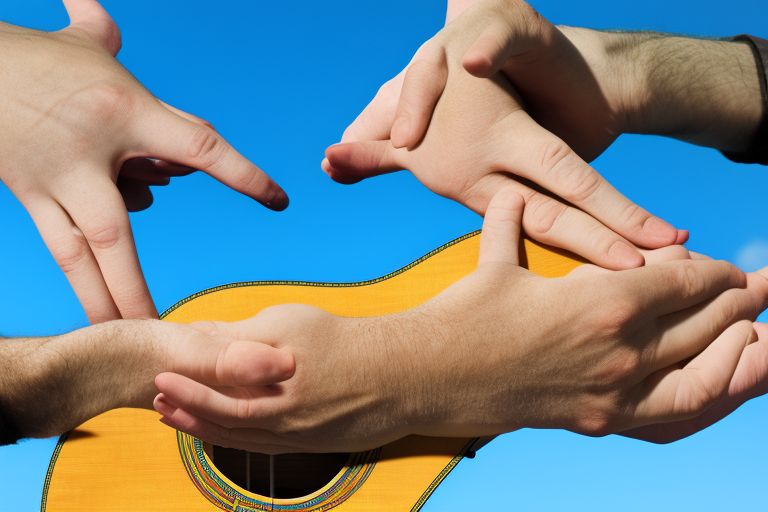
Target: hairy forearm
706,92
50,385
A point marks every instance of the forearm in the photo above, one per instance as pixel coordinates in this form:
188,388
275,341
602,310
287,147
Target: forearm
456,377
51,385
706,92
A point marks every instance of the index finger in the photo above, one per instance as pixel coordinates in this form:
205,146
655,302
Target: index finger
549,162
171,137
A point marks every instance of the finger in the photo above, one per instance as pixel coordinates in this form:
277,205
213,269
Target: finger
749,381
676,285
669,253
214,405
512,32
553,223
356,161
72,253
153,172
679,394
491,50
175,139
423,85
500,242
551,163
249,439
136,195
91,18
104,222
216,360
652,257
688,332
376,119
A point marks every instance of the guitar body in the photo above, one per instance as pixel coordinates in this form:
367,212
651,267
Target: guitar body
126,460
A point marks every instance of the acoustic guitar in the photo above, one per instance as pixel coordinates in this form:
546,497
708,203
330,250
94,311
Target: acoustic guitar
125,460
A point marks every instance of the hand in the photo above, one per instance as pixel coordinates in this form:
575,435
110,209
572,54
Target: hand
79,130
749,380
585,86
596,352
52,385
488,36
480,140
350,390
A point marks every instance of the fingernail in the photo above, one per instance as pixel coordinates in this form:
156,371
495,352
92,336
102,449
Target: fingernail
683,235
626,255
325,165
400,131
162,406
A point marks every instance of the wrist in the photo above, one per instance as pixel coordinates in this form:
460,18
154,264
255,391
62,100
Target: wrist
464,372
389,356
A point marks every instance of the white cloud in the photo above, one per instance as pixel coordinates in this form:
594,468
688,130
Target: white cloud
753,256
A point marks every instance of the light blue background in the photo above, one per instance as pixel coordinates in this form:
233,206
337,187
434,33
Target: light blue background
281,80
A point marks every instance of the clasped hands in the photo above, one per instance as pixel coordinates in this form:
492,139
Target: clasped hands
656,352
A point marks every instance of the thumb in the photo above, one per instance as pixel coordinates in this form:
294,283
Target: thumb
214,358
90,17
500,241
508,35
355,161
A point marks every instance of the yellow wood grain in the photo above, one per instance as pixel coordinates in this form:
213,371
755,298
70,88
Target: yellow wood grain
125,460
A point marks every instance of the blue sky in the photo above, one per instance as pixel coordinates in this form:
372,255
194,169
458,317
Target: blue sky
281,80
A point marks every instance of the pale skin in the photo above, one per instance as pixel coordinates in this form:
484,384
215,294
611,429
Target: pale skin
295,378
581,90
620,366
82,143
595,352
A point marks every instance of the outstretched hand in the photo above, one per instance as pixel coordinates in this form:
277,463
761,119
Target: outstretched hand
83,142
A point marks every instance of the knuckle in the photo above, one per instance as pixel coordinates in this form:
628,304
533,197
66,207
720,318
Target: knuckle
553,154
694,396
244,410
206,146
543,214
688,279
598,420
561,163
635,216
254,181
103,235
104,102
69,252
622,367
615,315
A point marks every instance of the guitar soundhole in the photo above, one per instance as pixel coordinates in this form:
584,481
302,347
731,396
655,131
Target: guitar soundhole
295,475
